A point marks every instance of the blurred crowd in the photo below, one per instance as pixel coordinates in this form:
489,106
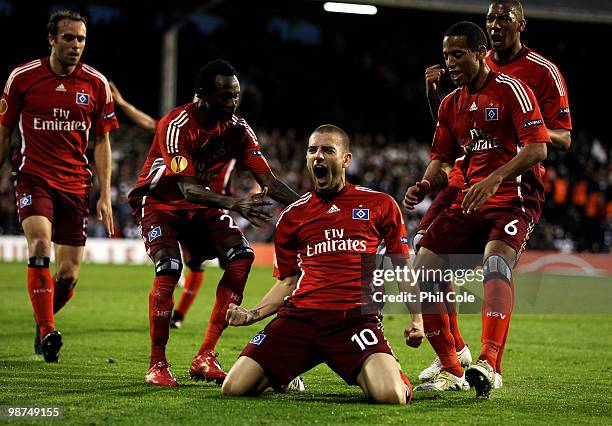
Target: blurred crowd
577,216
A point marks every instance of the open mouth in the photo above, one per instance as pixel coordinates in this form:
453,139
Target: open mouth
320,171
455,75
496,38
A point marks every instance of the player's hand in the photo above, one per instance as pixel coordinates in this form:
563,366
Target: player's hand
252,208
238,316
117,98
479,193
414,334
433,76
104,212
416,193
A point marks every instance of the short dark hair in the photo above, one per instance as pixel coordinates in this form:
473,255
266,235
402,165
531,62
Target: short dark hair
206,77
330,128
473,33
56,17
513,4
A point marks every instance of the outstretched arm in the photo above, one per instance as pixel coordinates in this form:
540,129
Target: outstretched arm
269,304
277,190
252,207
140,118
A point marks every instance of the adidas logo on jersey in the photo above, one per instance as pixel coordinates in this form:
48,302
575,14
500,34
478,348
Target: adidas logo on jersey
333,209
60,88
473,107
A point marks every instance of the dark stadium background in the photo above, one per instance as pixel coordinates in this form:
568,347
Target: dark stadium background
300,67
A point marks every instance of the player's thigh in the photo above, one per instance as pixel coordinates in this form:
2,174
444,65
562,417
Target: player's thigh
285,348
68,260
346,344
246,377
380,379
509,231
217,229
70,218
37,230
452,232
160,235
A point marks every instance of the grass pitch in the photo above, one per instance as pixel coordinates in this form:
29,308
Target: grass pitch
557,369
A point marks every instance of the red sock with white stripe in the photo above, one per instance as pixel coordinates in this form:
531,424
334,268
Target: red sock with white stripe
230,290
40,289
437,330
161,301
496,313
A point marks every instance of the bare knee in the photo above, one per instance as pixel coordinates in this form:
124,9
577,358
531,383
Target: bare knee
246,377
40,247
391,394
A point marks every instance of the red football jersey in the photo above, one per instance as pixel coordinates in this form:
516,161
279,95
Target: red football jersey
55,114
545,80
181,147
325,238
493,124
547,83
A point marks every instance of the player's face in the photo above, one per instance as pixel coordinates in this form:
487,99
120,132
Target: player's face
326,162
463,64
503,26
222,101
68,44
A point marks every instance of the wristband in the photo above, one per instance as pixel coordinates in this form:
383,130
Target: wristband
426,183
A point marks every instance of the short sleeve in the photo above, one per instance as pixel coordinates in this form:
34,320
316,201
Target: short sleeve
392,227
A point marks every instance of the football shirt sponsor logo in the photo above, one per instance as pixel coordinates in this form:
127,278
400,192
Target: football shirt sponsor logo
154,233
491,114
82,99
178,164
3,106
532,123
60,88
25,201
473,107
361,214
257,339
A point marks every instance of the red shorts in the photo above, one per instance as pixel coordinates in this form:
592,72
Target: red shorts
300,339
199,232
454,232
443,201
66,211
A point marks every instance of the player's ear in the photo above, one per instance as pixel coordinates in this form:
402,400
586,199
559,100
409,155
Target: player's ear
522,25
481,53
51,40
348,157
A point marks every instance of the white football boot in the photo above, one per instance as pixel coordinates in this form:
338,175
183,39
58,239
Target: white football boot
296,385
481,377
444,381
465,359
498,381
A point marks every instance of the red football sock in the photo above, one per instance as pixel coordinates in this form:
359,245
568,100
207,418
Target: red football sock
452,318
40,288
229,291
437,330
161,301
496,312
62,293
500,355
193,281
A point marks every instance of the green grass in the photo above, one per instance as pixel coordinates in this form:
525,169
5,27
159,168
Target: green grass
558,368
